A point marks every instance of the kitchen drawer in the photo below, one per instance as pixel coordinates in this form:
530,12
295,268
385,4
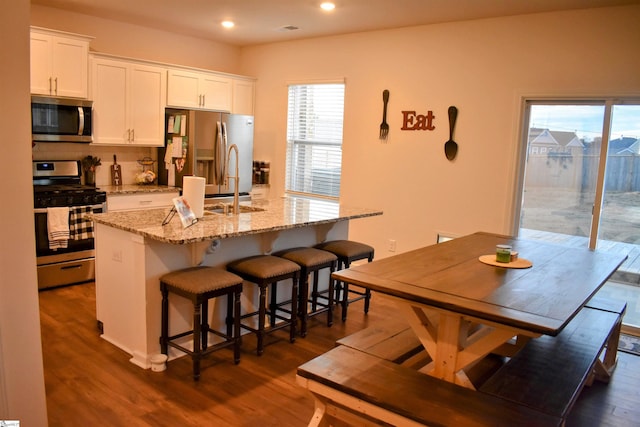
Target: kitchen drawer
66,273
121,202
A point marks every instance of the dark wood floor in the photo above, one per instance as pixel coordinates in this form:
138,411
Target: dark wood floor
90,382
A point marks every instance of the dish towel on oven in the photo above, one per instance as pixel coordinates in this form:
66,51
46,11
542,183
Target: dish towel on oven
80,226
58,227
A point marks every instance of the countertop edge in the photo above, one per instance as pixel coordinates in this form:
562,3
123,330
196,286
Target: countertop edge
279,223
113,190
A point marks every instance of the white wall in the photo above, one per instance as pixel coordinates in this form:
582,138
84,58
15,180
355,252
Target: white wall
483,67
22,394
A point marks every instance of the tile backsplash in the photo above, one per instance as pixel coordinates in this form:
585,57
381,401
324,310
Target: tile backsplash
127,157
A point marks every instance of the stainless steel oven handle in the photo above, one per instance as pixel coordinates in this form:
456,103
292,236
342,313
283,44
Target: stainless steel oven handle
93,208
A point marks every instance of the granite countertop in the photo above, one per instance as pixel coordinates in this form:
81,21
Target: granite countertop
136,189
273,215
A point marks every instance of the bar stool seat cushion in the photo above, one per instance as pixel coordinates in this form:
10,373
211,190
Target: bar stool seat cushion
264,266
309,257
199,280
346,248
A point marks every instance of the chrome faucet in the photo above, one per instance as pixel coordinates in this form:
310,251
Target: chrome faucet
236,178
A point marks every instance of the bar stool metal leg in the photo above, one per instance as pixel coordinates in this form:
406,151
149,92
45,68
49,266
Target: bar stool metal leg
164,327
294,308
197,335
262,319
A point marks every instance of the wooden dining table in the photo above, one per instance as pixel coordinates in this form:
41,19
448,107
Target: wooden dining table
463,309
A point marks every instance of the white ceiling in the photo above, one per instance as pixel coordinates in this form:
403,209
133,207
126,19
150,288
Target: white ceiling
261,21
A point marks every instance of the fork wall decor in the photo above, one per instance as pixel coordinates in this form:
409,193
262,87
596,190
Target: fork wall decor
384,126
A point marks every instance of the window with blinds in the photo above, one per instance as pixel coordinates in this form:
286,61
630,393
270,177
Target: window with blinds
314,139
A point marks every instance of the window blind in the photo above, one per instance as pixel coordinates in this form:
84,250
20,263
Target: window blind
314,139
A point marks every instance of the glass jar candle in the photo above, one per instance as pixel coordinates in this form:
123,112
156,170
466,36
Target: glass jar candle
503,253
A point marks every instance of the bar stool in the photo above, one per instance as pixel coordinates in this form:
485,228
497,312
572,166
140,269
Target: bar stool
347,252
265,270
312,260
199,285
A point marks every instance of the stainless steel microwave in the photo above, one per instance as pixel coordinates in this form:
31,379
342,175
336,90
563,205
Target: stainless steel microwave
61,119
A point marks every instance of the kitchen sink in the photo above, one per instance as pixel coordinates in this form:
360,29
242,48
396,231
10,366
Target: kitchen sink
219,208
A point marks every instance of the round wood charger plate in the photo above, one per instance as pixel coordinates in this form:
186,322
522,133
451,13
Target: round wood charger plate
491,260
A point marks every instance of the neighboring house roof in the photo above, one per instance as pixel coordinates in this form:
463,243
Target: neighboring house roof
540,136
624,145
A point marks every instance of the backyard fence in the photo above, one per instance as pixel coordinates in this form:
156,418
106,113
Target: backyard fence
568,170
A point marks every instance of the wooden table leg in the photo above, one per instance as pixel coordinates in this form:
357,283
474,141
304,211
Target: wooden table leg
446,357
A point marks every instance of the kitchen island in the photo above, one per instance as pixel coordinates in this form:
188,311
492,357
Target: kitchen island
133,249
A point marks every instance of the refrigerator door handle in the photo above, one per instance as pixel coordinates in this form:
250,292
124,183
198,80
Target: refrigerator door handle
219,155
225,160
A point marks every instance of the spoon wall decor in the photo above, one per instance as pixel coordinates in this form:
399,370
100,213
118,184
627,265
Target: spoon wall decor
451,147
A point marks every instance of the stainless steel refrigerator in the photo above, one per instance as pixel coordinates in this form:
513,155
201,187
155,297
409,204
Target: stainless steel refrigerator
197,143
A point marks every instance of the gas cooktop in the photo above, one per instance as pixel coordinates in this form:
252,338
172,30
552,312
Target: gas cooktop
57,183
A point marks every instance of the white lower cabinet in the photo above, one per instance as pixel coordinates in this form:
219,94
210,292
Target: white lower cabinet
128,102
137,201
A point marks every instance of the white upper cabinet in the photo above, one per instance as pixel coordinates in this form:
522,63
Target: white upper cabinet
59,63
201,90
128,102
243,95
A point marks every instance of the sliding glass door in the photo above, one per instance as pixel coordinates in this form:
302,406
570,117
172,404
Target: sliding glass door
559,182
581,183
620,214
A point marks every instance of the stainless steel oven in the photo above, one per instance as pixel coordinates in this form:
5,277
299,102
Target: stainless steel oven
57,190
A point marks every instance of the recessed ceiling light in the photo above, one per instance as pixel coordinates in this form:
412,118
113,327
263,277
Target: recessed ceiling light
228,24
328,5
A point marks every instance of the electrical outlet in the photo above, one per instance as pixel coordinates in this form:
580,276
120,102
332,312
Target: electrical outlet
392,245
117,256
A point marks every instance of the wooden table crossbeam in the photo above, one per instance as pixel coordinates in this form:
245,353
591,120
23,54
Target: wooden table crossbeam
456,342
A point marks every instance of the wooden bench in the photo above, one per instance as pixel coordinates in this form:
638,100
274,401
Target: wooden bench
549,361
548,373
610,358
355,388
394,340
606,304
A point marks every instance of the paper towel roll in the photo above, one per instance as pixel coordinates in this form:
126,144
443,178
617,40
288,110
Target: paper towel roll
193,192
